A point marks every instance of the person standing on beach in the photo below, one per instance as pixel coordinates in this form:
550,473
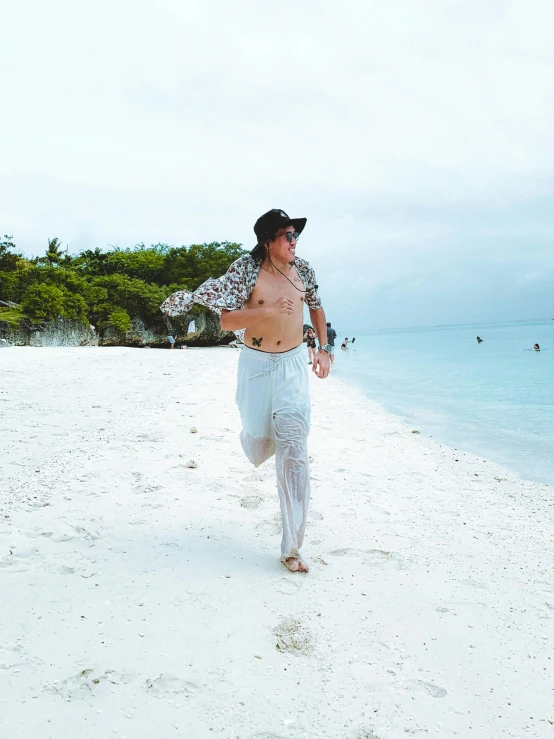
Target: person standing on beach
331,336
262,297
310,337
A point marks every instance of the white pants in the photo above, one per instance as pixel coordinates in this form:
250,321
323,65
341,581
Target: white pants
273,397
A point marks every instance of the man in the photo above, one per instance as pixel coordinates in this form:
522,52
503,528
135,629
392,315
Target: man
331,336
262,296
171,340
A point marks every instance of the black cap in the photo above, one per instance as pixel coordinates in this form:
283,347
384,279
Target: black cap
267,226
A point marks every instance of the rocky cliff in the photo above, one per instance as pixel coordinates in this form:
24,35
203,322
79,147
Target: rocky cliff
60,332
63,332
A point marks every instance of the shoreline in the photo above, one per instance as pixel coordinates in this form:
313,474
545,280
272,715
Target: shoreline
426,610
514,436
414,425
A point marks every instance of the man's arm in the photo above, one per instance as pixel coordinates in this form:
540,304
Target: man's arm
234,320
322,362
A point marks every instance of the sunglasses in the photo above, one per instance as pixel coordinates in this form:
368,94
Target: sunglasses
290,236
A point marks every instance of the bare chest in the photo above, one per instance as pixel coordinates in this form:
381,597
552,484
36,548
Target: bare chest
269,288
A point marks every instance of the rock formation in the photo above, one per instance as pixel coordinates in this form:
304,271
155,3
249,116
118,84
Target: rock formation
63,332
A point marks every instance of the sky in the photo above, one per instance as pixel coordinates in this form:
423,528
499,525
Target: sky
417,138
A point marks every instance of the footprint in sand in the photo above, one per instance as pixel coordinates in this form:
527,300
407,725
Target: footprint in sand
62,533
251,502
18,559
65,570
365,733
142,489
315,516
319,559
293,637
14,656
288,586
86,684
372,557
86,534
269,528
420,686
167,684
148,437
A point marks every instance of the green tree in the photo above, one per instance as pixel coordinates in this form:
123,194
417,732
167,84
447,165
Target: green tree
90,262
112,287
43,301
143,263
74,307
54,255
138,298
118,319
8,259
193,265
14,282
54,252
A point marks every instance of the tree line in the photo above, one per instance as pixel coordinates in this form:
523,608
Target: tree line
106,288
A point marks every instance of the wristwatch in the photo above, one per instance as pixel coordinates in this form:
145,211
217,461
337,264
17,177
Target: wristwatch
326,348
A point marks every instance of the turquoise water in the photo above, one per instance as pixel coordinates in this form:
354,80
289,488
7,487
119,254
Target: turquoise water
495,399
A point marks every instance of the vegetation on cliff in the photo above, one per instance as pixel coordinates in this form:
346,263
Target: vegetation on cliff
105,288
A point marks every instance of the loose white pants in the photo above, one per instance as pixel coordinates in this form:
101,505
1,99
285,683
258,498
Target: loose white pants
273,398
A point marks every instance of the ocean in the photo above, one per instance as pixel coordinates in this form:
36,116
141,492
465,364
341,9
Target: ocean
494,399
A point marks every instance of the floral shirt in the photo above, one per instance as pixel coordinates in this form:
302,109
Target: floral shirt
232,290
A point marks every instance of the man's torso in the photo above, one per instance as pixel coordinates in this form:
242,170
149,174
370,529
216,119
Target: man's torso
278,332
331,336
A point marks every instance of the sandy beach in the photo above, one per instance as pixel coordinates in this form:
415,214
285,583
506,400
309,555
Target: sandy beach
142,593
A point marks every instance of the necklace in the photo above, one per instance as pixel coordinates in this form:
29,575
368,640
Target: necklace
286,278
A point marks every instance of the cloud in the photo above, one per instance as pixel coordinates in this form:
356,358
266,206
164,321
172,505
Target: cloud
417,140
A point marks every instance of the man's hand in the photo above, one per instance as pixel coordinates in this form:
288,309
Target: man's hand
322,364
284,306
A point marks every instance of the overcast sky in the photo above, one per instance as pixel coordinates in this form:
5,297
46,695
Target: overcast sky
417,138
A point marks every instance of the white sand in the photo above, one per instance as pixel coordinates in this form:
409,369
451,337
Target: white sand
143,598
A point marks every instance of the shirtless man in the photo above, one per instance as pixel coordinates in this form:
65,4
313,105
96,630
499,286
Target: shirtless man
264,293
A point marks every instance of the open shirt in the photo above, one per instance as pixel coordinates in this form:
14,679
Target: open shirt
234,288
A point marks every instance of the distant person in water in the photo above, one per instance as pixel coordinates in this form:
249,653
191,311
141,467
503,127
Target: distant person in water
344,344
479,340
354,339
537,348
171,340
